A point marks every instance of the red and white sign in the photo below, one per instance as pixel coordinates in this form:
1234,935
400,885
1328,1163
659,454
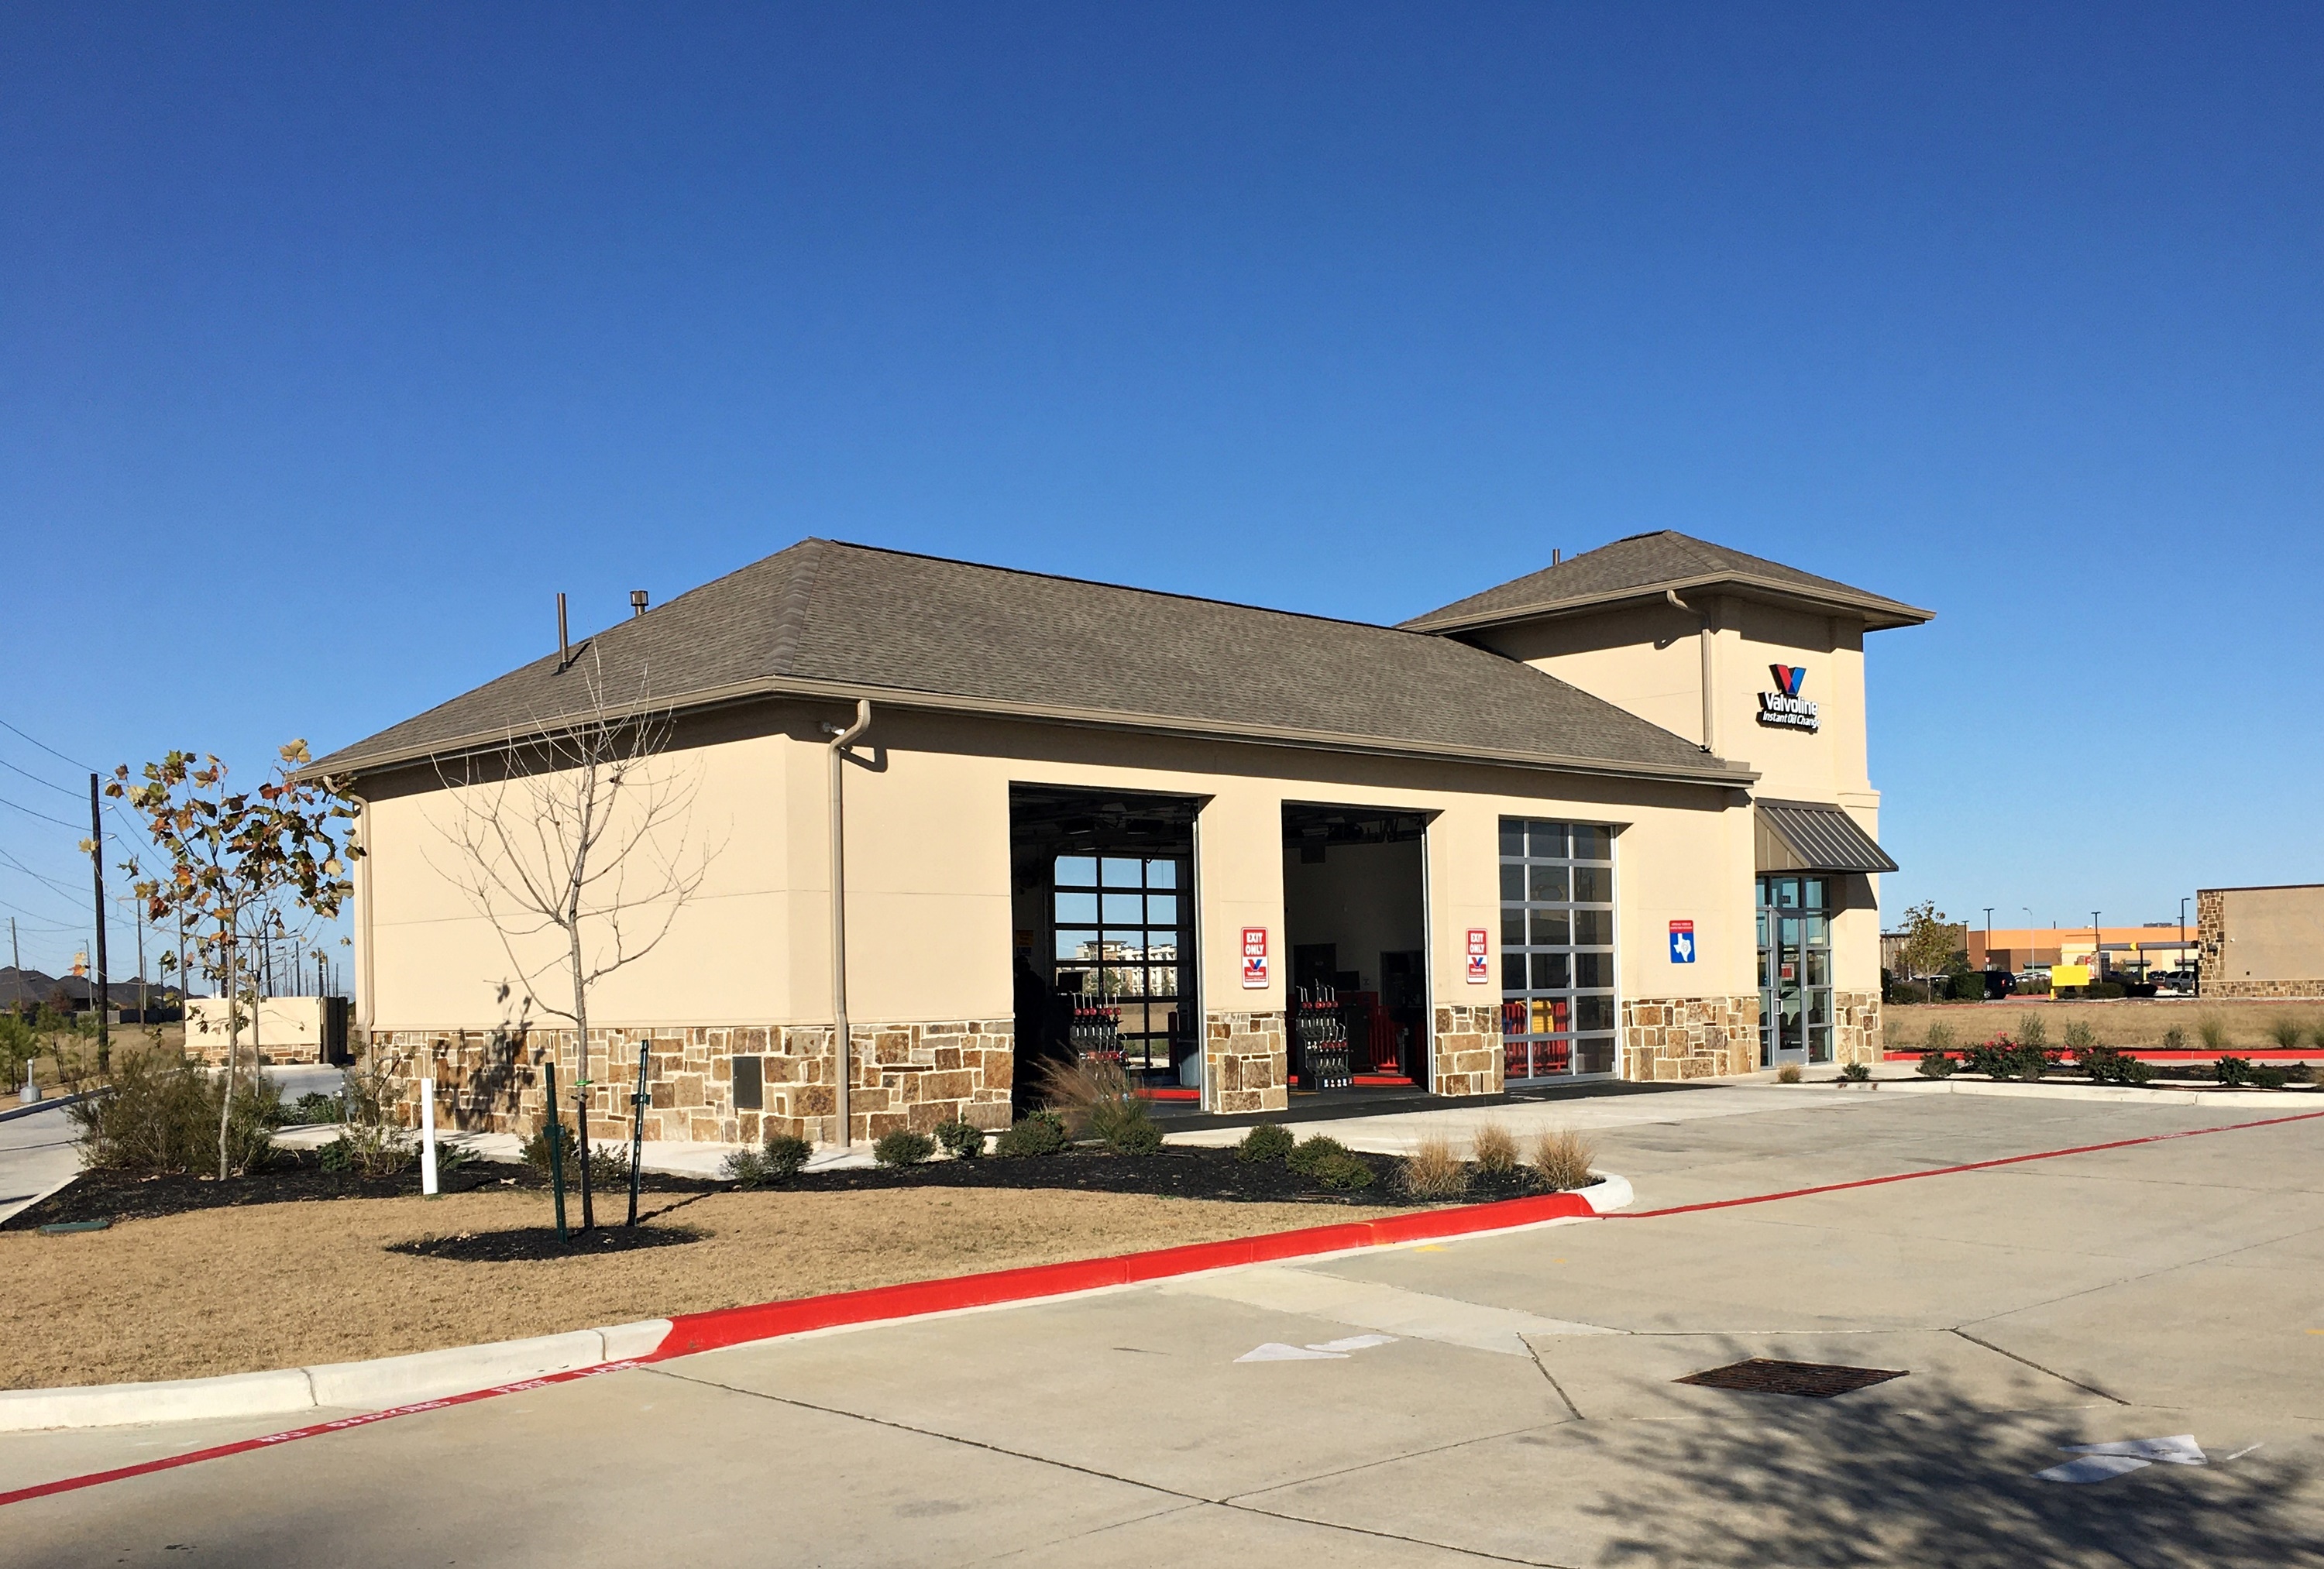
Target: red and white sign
1481,961
1254,958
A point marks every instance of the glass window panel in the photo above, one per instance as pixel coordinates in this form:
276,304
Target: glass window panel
1077,871
1120,873
1549,972
1594,884
1787,892
1551,1015
1512,836
1548,884
1763,970
1162,981
1552,928
1513,1016
1124,910
1513,928
1763,929
1076,943
1077,908
1814,899
1761,887
1162,874
1162,909
1593,928
1592,844
1819,966
1593,970
1819,932
1818,1007
1514,1055
1513,972
1551,1058
1820,1043
1512,885
1120,981
1594,1013
1790,934
1593,1054
1546,839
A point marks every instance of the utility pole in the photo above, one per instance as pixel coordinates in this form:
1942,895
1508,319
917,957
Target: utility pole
1988,937
96,870
144,992
16,954
2098,948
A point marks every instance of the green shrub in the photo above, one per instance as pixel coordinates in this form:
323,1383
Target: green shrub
372,1150
1966,986
1938,1064
1342,1171
963,1141
1123,1126
902,1147
783,1158
2299,1073
1940,1038
1041,1133
1905,993
2079,1036
1855,1073
2033,1030
311,1109
2268,1076
1309,1151
2232,1070
2287,1032
160,1115
2174,1039
2002,1058
2105,991
1266,1141
609,1158
2111,1065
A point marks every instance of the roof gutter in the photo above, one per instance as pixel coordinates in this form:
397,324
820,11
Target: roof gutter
1703,638
1709,771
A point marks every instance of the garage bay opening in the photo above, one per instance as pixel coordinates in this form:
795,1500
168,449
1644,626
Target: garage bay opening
1355,926
1102,888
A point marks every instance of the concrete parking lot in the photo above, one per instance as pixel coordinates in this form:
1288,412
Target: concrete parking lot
1516,1404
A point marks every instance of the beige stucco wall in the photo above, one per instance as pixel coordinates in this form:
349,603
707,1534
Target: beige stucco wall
2266,935
928,869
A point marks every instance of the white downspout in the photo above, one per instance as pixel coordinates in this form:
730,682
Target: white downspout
1710,741
840,737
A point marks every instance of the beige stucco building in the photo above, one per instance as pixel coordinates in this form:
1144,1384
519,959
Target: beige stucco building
1612,819
2261,942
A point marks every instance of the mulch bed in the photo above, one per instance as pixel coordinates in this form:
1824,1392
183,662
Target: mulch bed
294,1177
533,1242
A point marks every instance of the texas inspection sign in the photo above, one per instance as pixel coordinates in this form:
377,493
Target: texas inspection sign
1786,709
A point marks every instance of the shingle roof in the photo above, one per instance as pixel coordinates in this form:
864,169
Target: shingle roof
1644,567
843,620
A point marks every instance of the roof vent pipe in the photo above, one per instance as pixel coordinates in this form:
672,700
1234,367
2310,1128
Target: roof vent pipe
1555,555
841,735
564,645
1704,639
637,601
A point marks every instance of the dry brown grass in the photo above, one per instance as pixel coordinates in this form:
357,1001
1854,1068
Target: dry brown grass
2247,1026
1494,1149
1433,1171
1562,1157
289,1285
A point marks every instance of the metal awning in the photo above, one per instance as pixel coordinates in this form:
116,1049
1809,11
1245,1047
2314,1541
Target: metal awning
1809,836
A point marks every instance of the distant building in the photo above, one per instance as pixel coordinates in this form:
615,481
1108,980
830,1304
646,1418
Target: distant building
2111,950
2262,942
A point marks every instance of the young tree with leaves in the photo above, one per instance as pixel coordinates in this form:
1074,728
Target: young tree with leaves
1930,940
234,859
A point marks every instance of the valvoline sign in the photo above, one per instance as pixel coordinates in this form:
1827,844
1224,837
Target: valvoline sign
1785,707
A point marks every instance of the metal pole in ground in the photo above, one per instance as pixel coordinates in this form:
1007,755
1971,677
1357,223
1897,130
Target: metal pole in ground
102,998
555,1145
428,1137
581,1112
638,1128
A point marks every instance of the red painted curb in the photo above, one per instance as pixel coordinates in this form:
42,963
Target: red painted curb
2151,1054
1949,1170
697,1332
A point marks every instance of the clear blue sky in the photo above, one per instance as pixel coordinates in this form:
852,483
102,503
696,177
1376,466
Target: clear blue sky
335,340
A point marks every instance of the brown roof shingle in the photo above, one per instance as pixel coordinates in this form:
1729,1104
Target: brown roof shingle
836,620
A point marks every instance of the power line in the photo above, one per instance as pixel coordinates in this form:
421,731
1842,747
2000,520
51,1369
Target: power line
35,778
43,816
61,887
51,750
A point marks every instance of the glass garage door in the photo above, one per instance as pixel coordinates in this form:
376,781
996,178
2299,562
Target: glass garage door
1557,950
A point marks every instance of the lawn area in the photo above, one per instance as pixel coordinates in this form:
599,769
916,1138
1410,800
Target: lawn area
289,1285
2123,1022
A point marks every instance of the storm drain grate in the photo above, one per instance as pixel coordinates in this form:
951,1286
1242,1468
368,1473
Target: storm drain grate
1817,1381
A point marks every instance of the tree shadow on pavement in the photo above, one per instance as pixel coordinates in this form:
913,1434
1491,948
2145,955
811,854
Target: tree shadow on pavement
1928,1478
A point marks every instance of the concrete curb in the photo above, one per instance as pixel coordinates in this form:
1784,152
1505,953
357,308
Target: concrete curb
391,1382
359,1386
2133,1094
55,1102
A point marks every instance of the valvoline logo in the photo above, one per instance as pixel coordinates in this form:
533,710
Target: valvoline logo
1785,707
1788,678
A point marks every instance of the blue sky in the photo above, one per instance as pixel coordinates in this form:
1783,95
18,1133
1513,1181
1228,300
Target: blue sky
335,341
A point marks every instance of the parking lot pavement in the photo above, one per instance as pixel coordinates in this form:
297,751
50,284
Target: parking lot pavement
1502,1400
38,1155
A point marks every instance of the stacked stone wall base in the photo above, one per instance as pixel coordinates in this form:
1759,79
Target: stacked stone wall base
1246,1062
1677,1038
1468,1048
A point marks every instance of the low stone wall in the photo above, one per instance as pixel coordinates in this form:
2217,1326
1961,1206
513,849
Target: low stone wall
1247,1062
1674,1038
1856,1035
1468,1048
2273,991
905,1076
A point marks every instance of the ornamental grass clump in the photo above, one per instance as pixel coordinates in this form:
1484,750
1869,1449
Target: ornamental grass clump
1433,1171
2287,1032
1268,1142
1495,1149
1563,1157
1097,1101
2212,1029
2174,1039
1789,1073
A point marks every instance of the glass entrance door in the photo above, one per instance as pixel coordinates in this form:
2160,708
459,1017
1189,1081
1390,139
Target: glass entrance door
1794,970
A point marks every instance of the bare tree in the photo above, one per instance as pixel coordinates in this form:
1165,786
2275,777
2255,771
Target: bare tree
576,827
